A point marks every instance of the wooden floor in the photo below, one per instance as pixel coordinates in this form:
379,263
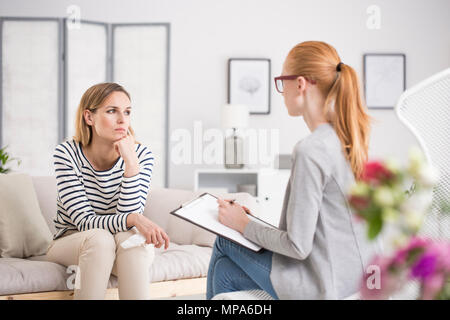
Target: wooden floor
158,290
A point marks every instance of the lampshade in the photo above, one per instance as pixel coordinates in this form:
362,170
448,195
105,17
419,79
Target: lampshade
235,116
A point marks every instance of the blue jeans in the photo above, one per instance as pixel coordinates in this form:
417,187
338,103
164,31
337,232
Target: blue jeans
234,268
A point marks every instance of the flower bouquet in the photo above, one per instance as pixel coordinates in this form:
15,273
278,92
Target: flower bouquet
422,260
382,196
399,197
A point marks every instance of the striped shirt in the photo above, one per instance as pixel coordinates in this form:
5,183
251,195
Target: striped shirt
88,198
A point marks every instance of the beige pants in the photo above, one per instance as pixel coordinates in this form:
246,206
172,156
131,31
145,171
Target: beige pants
98,253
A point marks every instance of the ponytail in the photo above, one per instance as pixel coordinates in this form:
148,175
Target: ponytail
350,121
344,107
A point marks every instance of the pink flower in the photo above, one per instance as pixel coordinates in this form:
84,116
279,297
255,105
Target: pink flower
423,259
388,282
376,173
444,249
432,286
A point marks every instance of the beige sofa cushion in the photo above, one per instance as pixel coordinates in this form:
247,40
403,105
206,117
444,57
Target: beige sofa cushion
36,274
27,276
23,230
45,188
180,262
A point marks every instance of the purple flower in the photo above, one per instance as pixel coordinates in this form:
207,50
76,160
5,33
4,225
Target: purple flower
425,266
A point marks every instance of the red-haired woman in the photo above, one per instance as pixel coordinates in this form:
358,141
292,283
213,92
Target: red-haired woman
319,251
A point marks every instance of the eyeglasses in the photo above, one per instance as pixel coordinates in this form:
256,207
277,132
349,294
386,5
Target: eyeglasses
279,81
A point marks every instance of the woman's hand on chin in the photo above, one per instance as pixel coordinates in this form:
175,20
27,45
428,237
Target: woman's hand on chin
125,147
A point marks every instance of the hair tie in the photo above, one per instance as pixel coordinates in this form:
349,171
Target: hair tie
338,67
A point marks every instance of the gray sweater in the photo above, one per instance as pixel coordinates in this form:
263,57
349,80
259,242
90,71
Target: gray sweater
320,251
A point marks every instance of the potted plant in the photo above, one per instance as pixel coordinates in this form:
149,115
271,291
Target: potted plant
6,159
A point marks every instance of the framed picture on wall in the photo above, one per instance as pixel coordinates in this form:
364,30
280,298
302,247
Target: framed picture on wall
384,79
249,84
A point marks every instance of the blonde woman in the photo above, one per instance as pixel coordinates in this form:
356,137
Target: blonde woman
319,251
103,178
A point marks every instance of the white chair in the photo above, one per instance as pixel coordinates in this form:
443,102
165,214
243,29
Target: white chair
256,294
425,111
244,295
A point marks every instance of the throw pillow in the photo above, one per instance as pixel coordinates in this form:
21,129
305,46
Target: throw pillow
23,230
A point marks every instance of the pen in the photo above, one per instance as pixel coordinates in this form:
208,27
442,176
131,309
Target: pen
245,208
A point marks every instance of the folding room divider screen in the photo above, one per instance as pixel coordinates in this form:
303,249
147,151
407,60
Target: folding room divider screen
86,63
31,96
48,63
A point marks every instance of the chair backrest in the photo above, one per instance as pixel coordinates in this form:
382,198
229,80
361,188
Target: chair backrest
425,110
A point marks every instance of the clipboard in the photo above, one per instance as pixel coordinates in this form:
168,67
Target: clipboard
203,212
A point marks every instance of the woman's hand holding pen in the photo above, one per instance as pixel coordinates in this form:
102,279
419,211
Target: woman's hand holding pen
233,215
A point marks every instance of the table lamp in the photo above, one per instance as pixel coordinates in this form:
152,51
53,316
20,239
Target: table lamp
234,116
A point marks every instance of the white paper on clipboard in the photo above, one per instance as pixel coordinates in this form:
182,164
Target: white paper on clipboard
204,212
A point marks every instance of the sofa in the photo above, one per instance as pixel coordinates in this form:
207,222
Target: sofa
178,271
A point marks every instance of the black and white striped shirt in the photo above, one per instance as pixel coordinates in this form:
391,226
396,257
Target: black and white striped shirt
88,198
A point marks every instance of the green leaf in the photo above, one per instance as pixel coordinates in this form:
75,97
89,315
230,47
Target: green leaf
4,170
414,255
375,226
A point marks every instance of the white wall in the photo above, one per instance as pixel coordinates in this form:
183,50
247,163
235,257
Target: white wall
205,33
